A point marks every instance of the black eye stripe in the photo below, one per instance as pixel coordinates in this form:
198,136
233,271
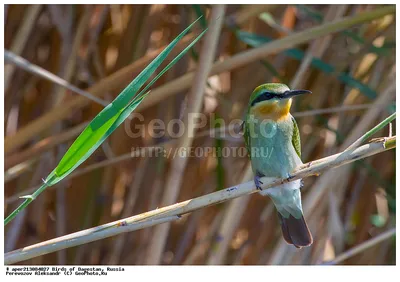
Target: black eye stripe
264,97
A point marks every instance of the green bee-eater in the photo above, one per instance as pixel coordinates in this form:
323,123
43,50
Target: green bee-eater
273,142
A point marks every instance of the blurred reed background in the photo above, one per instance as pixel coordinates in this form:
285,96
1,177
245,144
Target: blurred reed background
101,48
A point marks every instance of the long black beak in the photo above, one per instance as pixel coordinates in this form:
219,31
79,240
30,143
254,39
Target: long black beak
292,93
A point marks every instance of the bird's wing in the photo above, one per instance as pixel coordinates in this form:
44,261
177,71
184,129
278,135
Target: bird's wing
246,135
296,138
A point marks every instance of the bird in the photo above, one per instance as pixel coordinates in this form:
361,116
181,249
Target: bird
273,144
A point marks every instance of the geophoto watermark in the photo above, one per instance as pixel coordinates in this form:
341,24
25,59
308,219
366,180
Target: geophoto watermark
200,152
136,127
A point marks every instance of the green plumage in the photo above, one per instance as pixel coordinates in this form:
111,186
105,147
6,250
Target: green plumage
273,144
296,138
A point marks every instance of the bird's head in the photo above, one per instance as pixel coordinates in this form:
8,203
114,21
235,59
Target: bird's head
272,100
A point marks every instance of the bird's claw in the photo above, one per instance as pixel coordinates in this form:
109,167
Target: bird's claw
257,181
288,178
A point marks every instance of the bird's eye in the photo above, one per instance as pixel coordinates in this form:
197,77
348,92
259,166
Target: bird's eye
264,97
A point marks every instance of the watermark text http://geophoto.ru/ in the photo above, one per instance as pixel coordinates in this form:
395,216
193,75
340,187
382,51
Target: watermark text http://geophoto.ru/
136,127
199,152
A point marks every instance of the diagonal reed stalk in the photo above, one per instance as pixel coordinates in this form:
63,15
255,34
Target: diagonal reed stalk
363,246
21,39
49,142
36,70
107,120
173,212
134,154
371,132
184,82
196,98
322,185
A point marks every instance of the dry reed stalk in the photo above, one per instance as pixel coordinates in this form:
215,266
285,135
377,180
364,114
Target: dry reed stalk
174,211
110,83
195,102
21,39
132,197
315,50
36,70
161,93
242,81
105,163
18,170
263,237
363,246
243,58
187,236
317,47
329,179
49,142
15,229
204,244
231,219
43,145
237,206
319,136
248,12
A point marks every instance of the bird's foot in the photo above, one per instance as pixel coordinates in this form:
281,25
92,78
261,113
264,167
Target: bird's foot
288,178
258,182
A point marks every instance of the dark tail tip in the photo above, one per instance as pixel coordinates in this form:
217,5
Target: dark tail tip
295,231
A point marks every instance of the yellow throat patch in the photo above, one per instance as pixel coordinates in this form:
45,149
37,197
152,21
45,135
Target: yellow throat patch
275,110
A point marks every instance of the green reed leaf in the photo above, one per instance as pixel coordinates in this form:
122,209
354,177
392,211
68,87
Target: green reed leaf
108,120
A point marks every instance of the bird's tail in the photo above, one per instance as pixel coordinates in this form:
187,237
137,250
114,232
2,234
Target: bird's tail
287,200
295,231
